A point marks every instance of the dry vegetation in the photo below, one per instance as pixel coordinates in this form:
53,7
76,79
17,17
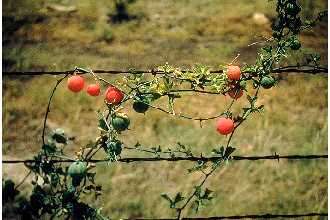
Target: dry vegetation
182,33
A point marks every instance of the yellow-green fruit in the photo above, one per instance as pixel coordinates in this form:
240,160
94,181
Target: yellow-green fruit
77,169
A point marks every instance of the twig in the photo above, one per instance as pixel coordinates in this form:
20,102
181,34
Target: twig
48,107
23,180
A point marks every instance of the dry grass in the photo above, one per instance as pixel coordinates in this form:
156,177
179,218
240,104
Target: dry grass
182,33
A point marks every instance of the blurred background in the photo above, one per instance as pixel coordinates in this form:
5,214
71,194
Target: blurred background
55,35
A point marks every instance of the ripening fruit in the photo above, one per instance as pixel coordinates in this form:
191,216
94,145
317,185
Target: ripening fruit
233,72
76,83
225,126
113,95
120,122
235,93
93,89
267,82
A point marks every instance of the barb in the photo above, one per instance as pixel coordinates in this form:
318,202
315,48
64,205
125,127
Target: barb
262,216
193,158
286,69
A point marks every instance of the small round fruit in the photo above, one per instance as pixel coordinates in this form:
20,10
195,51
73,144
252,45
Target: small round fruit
235,93
77,169
114,96
225,126
141,106
93,89
293,9
267,82
120,122
114,146
233,72
76,83
295,44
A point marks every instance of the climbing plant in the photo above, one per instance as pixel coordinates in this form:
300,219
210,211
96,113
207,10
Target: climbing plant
58,185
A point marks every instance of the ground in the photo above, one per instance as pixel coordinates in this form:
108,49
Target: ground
182,33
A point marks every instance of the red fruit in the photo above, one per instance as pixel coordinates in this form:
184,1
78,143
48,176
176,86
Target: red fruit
225,126
235,93
76,83
93,89
113,95
233,72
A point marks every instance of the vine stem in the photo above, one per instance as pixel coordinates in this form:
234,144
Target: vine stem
48,107
23,180
206,176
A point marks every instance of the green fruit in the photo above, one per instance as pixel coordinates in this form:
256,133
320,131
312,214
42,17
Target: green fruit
141,106
267,82
295,44
293,9
120,122
114,146
77,169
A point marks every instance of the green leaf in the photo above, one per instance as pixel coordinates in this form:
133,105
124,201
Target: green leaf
103,124
198,191
229,151
49,148
200,165
251,100
195,205
166,197
178,198
207,194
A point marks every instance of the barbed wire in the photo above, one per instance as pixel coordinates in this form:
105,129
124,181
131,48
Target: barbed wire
286,69
262,216
180,158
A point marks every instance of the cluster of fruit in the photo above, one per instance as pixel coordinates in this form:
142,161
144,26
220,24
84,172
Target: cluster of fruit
114,96
226,126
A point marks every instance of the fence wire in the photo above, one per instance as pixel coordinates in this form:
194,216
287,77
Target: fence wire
281,70
176,159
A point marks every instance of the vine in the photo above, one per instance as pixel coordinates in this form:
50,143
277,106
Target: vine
57,188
